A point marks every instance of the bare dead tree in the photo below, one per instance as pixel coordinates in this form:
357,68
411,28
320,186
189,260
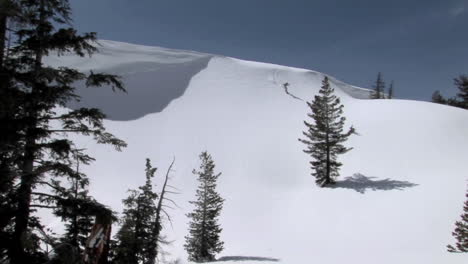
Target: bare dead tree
160,211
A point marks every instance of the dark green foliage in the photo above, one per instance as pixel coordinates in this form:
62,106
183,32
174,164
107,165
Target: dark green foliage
438,98
324,137
460,100
461,232
136,241
462,84
203,242
9,12
378,88
75,208
127,246
9,132
33,153
390,91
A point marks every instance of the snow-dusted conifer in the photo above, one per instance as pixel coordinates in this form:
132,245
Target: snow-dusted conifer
203,241
461,232
324,136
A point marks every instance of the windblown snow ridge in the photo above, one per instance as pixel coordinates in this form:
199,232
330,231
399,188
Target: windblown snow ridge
156,76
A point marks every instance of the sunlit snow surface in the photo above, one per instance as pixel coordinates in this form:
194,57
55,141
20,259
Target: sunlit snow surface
401,188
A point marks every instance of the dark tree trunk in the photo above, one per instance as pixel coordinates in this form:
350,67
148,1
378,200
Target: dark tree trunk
28,176
3,32
328,178
18,255
3,24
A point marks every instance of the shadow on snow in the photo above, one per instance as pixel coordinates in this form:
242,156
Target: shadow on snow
361,183
247,258
151,87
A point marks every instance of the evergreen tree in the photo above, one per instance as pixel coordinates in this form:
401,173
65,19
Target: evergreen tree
7,11
438,98
460,100
139,238
135,237
42,154
127,247
203,241
379,87
461,232
390,91
8,132
75,208
462,84
324,137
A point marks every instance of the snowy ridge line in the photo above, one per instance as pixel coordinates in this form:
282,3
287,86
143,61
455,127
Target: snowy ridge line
351,90
145,48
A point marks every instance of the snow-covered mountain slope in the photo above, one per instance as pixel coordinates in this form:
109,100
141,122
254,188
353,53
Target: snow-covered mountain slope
401,188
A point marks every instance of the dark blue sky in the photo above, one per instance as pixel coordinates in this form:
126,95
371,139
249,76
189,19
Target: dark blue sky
420,44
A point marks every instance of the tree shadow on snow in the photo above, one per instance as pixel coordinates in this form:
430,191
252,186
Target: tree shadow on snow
247,258
361,183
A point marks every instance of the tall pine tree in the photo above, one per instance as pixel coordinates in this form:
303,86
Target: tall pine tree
134,236
9,133
42,153
378,88
390,91
461,232
462,84
139,238
324,137
203,242
127,247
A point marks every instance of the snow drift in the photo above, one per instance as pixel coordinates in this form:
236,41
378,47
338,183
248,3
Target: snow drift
401,188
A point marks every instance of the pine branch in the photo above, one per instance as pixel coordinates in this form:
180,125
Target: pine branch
43,206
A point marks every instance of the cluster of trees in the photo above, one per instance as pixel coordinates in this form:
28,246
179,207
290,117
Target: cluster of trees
39,164
378,91
140,238
37,159
461,98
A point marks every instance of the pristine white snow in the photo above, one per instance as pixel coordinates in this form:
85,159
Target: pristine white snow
408,164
